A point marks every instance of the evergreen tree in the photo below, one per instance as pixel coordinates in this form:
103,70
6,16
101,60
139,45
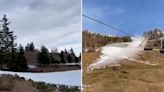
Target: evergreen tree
27,49
65,52
72,55
32,48
7,45
53,60
22,64
77,60
66,55
19,63
69,58
43,56
62,57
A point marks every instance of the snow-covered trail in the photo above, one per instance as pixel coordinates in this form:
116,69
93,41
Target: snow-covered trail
72,78
113,53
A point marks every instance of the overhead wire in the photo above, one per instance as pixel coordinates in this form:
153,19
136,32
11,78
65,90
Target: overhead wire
147,10
107,25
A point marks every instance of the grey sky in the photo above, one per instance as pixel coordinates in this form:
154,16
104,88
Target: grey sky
53,23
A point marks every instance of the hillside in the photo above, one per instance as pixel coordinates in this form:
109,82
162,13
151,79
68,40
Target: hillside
123,71
94,40
130,76
9,83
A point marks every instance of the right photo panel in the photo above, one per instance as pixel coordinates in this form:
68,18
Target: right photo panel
123,46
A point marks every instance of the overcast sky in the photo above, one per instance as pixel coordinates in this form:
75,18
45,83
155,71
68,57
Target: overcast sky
53,23
127,15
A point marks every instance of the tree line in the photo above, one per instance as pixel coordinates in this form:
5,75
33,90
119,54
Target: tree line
14,58
154,37
57,58
154,34
91,39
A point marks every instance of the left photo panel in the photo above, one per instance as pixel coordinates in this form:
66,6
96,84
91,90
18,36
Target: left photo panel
40,45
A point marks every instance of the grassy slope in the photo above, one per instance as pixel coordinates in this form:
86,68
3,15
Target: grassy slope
129,77
10,83
13,84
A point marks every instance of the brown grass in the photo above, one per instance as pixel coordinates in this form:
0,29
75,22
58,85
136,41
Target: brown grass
9,83
129,77
6,83
89,58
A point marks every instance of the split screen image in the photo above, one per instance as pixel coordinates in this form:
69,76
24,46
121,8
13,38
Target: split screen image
81,46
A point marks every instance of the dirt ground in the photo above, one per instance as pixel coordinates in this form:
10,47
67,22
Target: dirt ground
131,76
11,84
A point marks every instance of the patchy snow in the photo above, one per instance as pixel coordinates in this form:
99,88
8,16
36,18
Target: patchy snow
112,53
72,78
32,66
145,62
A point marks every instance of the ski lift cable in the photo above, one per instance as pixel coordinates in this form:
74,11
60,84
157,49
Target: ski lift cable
107,25
147,10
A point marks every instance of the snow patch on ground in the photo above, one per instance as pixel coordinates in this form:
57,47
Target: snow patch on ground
31,66
71,78
112,53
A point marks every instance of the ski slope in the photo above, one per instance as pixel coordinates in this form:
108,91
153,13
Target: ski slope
113,53
72,78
